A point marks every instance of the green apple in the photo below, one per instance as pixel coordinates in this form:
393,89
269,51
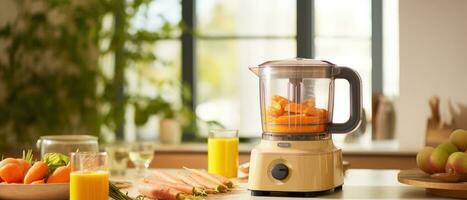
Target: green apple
437,160
448,147
423,157
459,138
457,163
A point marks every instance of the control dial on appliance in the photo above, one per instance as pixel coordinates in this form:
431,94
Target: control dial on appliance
280,171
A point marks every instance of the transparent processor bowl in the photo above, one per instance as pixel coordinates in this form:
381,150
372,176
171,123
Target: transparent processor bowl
297,96
296,106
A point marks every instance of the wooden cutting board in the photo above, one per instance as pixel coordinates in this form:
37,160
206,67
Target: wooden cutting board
417,178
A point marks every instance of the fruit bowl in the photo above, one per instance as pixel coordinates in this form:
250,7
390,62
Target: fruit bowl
34,191
418,178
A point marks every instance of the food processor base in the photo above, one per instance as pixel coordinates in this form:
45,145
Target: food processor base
295,168
294,194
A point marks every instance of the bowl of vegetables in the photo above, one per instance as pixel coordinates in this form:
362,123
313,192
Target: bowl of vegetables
23,178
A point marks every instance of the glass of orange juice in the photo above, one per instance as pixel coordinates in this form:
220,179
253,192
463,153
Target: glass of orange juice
223,152
89,178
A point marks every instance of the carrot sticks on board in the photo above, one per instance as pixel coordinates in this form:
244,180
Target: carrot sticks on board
163,176
190,181
188,189
190,184
160,192
224,180
208,184
214,178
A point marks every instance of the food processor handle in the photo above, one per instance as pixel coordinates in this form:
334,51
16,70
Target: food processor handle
355,100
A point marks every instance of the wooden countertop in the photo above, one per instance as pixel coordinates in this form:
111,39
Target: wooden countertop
358,184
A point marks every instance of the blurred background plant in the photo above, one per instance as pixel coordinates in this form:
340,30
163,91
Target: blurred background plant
49,70
64,68
128,54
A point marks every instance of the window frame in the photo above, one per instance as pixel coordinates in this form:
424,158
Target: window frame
304,39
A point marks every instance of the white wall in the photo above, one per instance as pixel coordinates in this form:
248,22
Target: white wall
433,61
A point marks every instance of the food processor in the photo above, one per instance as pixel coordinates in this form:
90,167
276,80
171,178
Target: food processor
296,155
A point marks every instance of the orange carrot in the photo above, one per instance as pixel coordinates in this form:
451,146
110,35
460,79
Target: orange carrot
224,180
206,175
160,192
309,102
323,113
293,129
281,100
181,187
190,181
12,173
274,111
275,105
25,164
60,175
177,183
188,189
158,175
38,182
294,108
208,183
10,160
298,119
36,172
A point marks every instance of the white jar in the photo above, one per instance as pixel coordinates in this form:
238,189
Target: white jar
170,131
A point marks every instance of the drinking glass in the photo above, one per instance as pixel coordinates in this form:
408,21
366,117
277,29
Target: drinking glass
223,152
89,178
118,158
141,154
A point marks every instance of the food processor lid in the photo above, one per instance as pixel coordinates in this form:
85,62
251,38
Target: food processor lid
296,62
295,68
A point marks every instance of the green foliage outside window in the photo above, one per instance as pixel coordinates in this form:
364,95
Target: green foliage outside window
51,78
49,70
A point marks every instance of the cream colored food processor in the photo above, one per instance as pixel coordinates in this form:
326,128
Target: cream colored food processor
296,155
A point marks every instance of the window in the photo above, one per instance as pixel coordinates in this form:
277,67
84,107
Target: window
235,35
232,35
334,42
166,68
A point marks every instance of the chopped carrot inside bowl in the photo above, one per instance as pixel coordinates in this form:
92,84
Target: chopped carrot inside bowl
284,116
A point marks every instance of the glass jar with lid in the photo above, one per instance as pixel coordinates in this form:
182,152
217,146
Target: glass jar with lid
67,143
